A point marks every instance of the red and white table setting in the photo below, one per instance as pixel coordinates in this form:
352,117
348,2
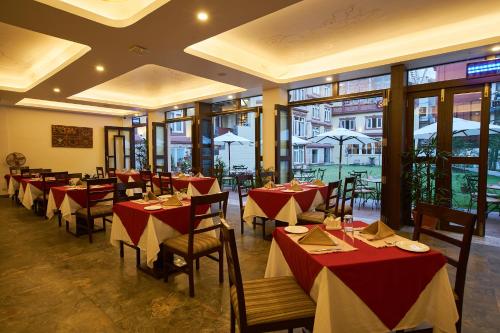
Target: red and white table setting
195,185
68,199
13,182
128,176
32,188
367,289
282,203
147,224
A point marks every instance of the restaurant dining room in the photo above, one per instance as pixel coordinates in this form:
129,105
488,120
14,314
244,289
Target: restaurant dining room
306,166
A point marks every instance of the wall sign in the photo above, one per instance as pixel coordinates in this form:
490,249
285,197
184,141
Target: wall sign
72,136
483,68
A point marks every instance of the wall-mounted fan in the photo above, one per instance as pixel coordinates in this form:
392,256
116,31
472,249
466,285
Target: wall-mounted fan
15,159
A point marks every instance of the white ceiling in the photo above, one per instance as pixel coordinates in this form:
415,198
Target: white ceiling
318,37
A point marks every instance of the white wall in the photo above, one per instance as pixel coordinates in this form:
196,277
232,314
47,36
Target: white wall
28,131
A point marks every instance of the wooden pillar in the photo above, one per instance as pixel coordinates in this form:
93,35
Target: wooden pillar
396,208
202,128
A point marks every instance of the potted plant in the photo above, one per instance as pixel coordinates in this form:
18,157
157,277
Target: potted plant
421,178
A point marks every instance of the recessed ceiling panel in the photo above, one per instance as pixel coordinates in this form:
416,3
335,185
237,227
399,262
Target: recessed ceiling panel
27,57
114,13
317,37
62,106
153,87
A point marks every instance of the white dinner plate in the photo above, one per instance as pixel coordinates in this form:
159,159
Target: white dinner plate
153,207
296,229
280,185
412,246
288,191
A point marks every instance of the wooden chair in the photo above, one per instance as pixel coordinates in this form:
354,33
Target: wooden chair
166,185
348,194
49,179
466,221
329,207
264,305
25,171
147,178
320,174
197,243
245,183
159,168
111,172
99,172
122,189
103,193
75,175
35,172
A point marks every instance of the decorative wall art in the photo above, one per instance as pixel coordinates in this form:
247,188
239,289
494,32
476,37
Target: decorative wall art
72,136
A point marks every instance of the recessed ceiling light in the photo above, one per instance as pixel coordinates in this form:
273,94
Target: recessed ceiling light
329,79
176,107
230,96
99,68
56,90
495,48
202,16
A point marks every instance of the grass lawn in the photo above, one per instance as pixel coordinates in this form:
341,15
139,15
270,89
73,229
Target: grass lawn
460,198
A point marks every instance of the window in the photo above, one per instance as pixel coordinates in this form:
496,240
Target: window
251,101
452,71
315,111
349,123
328,115
315,130
314,156
299,126
365,84
353,149
177,127
378,148
303,94
373,122
175,114
298,155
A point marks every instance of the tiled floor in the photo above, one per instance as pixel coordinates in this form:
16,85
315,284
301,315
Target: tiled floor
51,281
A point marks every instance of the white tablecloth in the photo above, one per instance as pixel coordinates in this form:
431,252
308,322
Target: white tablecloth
28,196
339,309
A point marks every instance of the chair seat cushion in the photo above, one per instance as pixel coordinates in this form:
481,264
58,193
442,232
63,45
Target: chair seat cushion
274,300
312,217
347,208
202,242
96,211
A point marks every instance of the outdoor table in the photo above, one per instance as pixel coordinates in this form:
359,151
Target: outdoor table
195,185
378,185
68,199
145,229
369,289
283,204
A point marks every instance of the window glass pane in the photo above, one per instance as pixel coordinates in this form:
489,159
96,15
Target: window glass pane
251,101
425,112
179,146
175,114
304,94
493,179
365,84
464,178
466,124
283,118
456,70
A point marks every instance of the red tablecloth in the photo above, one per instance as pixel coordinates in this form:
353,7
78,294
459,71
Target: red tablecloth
388,280
135,218
202,184
39,183
272,201
79,195
16,177
125,176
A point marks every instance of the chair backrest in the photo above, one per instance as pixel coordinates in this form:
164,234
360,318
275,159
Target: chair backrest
321,173
166,186
100,190
264,175
348,192
333,196
14,170
245,184
234,272
111,172
25,171
35,172
122,189
147,178
50,179
78,175
465,222
159,168
99,172
195,171
215,205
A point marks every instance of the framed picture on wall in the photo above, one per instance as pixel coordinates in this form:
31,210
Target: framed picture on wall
72,136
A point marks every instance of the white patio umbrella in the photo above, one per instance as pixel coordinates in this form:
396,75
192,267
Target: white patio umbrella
461,127
296,141
229,138
341,136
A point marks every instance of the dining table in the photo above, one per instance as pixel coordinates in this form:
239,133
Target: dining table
13,182
32,188
193,186
128,176
283,204
135,224
361,287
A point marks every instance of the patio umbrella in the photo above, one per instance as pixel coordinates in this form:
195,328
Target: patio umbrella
229,138
341,136
461,127
296,141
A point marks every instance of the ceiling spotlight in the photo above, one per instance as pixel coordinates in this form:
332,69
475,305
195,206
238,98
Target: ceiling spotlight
230,97
56,90
99,68
495,48
329,79
176,107
202,16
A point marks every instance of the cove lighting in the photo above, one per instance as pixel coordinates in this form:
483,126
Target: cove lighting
62,106
329,79
495,48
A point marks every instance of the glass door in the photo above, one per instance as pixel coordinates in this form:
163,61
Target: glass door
159,147
119,150
179,144
283,144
